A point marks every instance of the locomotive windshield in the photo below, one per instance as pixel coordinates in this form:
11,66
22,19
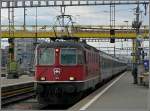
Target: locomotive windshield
68,56
46,56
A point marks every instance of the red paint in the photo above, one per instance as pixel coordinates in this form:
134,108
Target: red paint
90,69
65,72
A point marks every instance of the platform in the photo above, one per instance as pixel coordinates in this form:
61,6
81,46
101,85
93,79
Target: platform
119,94
21,79
123,95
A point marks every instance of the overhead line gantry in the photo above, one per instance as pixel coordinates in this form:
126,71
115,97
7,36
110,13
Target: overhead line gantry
82,31
47,3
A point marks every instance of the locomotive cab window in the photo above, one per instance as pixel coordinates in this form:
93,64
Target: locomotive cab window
68,56
46,56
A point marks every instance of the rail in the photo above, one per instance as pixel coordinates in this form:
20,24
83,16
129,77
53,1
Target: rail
14,93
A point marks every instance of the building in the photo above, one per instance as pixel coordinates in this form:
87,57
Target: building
24,54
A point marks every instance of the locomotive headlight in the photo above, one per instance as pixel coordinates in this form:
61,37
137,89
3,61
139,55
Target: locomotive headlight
42,78
71,78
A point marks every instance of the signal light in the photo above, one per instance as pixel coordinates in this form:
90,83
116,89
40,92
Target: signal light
112,31
57,50
11,50
11,40
112,40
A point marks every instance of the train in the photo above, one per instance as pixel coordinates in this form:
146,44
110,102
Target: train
66,70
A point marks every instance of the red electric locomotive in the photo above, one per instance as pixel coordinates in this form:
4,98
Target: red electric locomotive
66,69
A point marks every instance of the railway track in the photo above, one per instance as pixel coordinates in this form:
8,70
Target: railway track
22,96
18,92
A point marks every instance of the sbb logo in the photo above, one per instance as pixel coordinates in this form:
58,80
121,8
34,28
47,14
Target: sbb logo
56,71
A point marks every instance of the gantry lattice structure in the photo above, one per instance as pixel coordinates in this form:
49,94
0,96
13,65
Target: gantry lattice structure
82,31
47,3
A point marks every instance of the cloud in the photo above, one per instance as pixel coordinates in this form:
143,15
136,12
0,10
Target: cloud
90,15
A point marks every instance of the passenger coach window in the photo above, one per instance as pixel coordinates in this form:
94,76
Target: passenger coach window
68,56
46,56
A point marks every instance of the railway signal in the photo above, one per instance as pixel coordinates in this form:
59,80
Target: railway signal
12,64
112,33
11,48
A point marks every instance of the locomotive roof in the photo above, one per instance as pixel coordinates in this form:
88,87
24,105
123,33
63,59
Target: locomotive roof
67,44
61,44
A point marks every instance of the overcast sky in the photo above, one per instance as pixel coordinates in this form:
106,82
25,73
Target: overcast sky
91,15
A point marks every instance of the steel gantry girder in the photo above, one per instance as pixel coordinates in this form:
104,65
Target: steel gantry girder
77,31
47,3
